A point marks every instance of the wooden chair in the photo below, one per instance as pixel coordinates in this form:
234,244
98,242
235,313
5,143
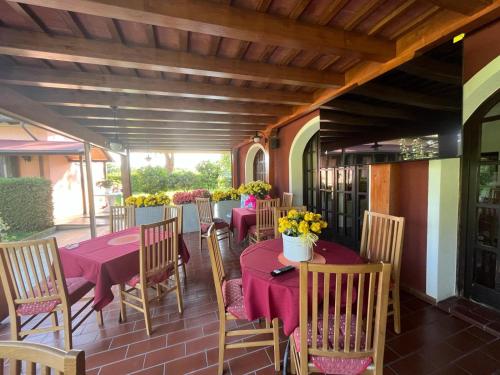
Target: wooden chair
344,333
382,241
287,200
170,212
121,218
157,265
280,212
264,227
206,218
40,359
34,284
231,307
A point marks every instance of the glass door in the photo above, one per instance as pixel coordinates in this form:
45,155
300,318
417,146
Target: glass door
483,247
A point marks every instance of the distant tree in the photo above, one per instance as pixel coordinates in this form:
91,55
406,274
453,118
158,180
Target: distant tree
209,173
182,179
225,177
149,180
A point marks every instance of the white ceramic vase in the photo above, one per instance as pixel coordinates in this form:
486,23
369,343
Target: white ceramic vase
295,249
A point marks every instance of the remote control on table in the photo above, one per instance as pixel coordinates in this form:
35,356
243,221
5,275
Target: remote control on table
281,271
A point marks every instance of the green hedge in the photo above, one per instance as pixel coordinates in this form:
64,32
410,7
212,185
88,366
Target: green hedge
26,203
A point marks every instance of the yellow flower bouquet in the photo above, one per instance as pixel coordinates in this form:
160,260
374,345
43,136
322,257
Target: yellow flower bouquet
148,200
225,195
304,226
259,189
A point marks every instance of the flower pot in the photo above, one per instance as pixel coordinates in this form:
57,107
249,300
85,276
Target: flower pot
243,198
190,222
295,249
148,215
223,209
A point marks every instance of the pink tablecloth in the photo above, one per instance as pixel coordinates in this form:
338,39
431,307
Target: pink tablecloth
106,265
278,297
241,220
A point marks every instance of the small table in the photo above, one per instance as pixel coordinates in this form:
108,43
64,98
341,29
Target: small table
241,220
107,260
278,297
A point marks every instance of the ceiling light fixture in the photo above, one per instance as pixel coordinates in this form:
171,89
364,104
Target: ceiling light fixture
257,137
115,144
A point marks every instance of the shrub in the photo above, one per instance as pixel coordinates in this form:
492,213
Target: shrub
182,180
26,203
148,200
149,180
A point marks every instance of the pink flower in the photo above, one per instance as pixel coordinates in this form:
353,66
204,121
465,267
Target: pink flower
251,201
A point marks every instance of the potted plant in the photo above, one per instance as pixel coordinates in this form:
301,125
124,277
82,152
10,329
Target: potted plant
224,202
252,191
300,230
149,207
190,221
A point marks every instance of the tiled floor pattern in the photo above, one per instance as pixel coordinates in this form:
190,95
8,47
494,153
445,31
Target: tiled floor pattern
432,341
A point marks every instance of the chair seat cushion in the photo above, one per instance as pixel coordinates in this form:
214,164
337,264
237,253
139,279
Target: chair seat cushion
232,293
263,232
77,287
152,279
219,224
332,365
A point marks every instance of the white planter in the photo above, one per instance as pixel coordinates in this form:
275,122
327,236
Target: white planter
296,250
223,209
148,215
190,222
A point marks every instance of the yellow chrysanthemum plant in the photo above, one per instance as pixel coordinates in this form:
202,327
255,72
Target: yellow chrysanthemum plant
304,224
259,189
148,200
225,195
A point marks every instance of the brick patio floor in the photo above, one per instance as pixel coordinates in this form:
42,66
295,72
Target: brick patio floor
432,341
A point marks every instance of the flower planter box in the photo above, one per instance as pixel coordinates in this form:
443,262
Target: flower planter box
190,221
223,209
295,249
148,215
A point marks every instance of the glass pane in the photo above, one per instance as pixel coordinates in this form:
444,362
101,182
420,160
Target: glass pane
485,268
329,182
363,180
487,227
490,141
340,224
348,179
363,204
349,204
489,184
340,203
348,226
340,180
323,178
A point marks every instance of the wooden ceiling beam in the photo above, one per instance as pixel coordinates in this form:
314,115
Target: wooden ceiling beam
346,119
222,128
357,107
166,123
141,115
228,21
411,98
74,98
149,86
434,70
80,50
466,7
14,104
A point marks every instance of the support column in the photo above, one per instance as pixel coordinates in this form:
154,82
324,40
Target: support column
82,184
90,190
125,175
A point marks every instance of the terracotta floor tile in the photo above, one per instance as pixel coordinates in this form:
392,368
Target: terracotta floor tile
105,357
184,335
249,363
202,343
157,370
212,370
464,341
164,355
126,366
481,334
187,364
147,346
493,349
414,364
440,354
213,354
451,370
479,363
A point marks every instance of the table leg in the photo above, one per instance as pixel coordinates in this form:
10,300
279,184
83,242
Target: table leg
285,357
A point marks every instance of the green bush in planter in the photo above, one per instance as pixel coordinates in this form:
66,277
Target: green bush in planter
26,203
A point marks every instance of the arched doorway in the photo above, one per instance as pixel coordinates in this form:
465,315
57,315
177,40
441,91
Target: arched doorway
481,203
295,159
310,164
256,158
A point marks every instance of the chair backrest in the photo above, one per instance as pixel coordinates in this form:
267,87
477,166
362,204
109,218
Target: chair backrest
41,359
217,266
204,208
348,304
280,212
172,211
264,209
382,240
287,199
121,217
159,248
31,272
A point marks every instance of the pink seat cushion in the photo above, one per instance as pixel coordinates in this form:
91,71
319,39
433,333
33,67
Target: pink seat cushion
263,232
219,224
153,279
77,287
232,293
332,365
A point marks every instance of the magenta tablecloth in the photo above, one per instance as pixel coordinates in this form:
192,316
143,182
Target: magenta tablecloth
241,220
106,265
278,297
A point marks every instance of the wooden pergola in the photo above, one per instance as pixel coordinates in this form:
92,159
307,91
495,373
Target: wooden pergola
206,75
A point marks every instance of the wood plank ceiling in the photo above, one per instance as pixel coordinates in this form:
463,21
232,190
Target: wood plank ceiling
206,75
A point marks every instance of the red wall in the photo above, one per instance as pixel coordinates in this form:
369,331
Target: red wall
413,197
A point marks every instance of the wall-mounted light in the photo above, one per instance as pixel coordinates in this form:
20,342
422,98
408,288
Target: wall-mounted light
257,137
27,159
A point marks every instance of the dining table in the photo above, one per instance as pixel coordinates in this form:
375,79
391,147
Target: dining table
270,297
241,221
107,260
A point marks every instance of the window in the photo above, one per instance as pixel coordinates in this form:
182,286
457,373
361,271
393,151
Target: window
259,166
9,166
